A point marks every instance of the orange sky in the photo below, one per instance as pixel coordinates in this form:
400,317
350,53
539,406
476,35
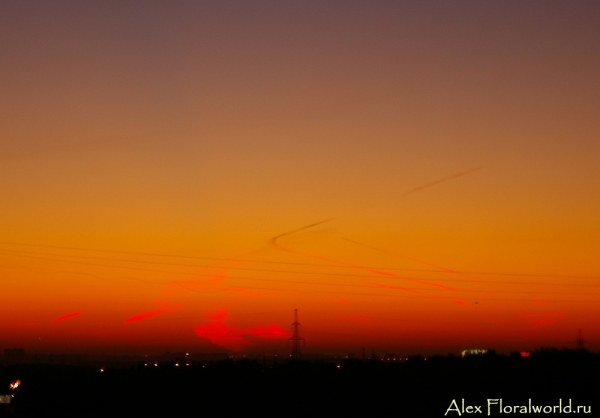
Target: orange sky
151,152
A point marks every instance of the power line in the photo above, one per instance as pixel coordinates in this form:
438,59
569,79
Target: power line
395,294
290,263
27,255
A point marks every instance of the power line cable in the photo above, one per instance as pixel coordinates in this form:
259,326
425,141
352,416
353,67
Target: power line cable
291,263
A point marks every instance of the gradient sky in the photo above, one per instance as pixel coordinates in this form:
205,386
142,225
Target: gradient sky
161,165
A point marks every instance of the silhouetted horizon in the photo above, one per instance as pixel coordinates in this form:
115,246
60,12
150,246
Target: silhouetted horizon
427,385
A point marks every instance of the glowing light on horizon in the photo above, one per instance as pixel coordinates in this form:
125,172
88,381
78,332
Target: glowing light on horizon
473,352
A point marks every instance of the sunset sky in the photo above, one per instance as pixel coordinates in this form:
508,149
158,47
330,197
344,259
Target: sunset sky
413,177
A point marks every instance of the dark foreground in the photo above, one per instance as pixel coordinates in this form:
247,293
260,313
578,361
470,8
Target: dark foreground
434,387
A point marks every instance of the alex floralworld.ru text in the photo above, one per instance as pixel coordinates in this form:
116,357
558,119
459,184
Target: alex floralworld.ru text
497,406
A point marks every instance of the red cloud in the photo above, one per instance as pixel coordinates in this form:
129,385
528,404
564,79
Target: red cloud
150,314
144,315
62,318
234,338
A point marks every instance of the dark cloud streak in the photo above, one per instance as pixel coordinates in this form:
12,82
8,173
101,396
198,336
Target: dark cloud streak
442,180
274,239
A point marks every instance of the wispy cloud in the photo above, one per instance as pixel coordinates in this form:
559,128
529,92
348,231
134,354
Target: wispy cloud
68,316
442,180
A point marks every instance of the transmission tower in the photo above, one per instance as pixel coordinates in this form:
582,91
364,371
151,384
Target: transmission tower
296,338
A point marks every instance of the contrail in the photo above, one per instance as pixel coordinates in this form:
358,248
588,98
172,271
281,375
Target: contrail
318,257
60,149
418,261
462,173
274,239
404,289
447,270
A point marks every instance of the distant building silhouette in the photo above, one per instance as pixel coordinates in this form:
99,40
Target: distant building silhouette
14,353
477,352
580,340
